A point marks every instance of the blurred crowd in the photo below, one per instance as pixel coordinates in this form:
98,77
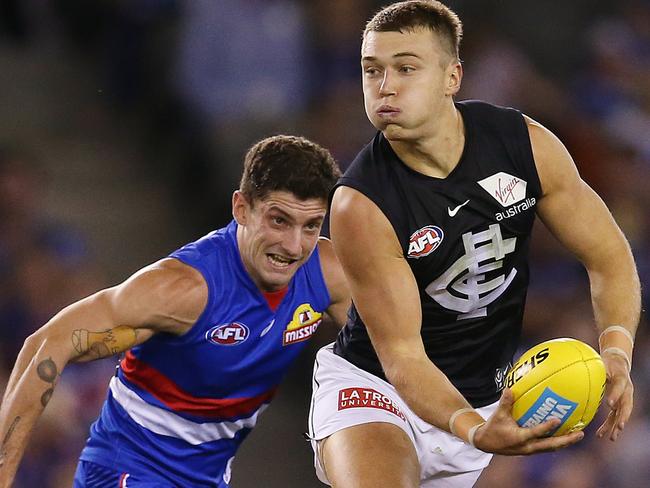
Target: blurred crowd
199,81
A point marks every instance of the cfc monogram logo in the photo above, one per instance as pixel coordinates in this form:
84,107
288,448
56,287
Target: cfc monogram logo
484,252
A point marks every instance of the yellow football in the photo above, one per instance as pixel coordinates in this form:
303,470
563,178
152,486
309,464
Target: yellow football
563,378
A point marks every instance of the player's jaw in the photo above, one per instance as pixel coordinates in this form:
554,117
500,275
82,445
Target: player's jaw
278,263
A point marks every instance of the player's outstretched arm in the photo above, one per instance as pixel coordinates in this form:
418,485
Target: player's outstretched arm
337,285
166,296
385,293
580,220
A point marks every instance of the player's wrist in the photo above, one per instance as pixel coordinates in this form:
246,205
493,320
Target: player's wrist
619,330
617,351
617,341
464,423
472,433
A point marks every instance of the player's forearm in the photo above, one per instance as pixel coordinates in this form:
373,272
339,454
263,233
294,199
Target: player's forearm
430,394
616,298
29,390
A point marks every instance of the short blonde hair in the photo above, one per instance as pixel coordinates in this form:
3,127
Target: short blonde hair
412,14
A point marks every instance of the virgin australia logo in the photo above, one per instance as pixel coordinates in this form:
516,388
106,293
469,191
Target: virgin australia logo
504,188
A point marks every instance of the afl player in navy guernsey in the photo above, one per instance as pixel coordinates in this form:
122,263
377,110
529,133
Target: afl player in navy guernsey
209,332
431,223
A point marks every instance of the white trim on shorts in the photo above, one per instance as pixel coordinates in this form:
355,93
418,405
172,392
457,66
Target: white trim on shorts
344,396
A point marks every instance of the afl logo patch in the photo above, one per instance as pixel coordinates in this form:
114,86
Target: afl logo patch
424,241
227,334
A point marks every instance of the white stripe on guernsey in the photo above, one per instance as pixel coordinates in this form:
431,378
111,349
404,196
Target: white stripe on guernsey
164,422
124,478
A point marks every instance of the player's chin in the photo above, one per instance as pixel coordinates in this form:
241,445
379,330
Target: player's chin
380,123
394,132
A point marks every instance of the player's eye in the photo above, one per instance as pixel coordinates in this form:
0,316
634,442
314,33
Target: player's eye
406,69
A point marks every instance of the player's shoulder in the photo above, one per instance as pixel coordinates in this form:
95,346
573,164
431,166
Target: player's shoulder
488,115
171,274
494,122
216,244
481,107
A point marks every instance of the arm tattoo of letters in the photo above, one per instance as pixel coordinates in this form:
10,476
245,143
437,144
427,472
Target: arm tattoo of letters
96,345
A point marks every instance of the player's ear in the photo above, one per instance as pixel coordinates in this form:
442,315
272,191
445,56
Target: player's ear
240,207
454,77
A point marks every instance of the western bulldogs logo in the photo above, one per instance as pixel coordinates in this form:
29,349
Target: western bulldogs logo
424,241
227,334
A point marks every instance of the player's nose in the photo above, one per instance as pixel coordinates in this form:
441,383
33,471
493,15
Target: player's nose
292,243
387,86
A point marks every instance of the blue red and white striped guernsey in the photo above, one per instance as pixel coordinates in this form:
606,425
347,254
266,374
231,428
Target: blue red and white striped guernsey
179,407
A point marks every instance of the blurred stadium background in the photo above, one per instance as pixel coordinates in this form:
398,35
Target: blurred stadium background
122,130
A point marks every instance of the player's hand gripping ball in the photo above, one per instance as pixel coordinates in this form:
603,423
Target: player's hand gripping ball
563,378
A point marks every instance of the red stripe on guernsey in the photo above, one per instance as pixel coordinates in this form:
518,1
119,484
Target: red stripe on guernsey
123,479
165,390
274,298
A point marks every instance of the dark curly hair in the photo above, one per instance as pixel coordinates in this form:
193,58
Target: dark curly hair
288,163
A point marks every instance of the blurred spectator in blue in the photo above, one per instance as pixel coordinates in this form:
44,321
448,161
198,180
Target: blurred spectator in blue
39,259
243,61
44,266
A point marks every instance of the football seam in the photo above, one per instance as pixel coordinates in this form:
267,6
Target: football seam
587,403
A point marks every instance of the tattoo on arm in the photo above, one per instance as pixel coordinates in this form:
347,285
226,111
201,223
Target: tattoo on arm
95,345
47,371
5,441
12,427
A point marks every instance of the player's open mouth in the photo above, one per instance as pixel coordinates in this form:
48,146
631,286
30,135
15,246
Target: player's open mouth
280,261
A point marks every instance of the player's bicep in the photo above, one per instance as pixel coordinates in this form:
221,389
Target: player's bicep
167,296
383,287
569,208
162,297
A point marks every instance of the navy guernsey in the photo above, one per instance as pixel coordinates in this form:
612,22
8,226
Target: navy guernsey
465,238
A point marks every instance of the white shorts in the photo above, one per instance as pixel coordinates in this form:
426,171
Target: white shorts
344,395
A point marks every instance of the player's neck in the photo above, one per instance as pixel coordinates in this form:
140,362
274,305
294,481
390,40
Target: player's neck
438,152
